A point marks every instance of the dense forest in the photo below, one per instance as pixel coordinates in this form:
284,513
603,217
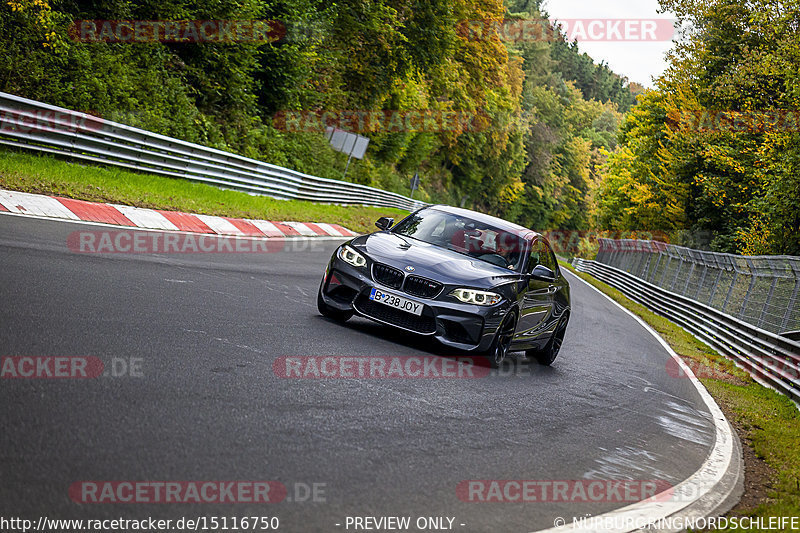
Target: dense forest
562,142
712,155
550,113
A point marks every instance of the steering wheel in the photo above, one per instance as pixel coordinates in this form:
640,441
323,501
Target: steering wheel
496,259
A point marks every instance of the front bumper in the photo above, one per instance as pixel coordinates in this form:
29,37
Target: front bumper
469,328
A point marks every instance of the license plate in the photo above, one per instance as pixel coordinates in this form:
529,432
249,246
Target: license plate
398,302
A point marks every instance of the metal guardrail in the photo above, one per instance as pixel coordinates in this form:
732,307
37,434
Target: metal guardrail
31,125
770,358
760,290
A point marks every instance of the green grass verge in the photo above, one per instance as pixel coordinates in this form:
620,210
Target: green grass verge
48,175
767,422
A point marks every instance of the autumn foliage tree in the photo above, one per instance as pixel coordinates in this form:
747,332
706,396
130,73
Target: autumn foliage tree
715,148
546,113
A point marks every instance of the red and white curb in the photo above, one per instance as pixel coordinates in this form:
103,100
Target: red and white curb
22,203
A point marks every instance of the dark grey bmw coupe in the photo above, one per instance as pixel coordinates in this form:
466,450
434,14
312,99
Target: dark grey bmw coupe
472,281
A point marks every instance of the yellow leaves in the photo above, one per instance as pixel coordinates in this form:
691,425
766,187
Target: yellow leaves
512,192
755,240
26,5
635,195
43,18
516,76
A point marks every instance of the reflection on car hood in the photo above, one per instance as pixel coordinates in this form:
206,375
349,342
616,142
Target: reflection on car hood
430,261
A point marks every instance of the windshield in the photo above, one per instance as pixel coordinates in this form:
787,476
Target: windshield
466,236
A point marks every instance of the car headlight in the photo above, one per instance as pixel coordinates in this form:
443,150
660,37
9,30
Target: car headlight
473,296
351,257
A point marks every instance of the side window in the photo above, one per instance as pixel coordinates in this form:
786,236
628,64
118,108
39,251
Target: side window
535,257
541,254
548,258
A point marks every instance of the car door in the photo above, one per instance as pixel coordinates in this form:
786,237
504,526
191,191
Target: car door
556,288
537,301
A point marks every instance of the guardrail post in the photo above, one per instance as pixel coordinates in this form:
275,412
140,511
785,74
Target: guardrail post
645,268
792,302
689,278
655,270
645,262
766,302
720,270
619,255
600,251
677,273
637,258
628,258
730,290
666,269
702,280
753,279
633,256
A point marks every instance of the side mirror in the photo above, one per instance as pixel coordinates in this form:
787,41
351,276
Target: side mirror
542,273
385,223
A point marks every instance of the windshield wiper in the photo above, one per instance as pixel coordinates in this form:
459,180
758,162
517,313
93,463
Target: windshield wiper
402,238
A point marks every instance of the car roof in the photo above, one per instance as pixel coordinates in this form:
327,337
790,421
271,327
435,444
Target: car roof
499,223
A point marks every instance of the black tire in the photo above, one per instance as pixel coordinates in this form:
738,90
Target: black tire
547,355
502,341
329,312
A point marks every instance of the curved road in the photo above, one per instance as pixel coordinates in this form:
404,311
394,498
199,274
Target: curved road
204,402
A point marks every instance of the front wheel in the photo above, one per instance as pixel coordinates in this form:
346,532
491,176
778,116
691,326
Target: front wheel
547,355
329,312
502,341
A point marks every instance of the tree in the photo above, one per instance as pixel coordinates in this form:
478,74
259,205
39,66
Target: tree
714,152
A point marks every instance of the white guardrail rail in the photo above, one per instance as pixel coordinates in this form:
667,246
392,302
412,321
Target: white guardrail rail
770,358
31,125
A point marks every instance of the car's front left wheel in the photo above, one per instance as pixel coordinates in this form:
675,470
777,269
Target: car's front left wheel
330,312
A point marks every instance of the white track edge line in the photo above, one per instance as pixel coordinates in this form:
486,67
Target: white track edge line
707,476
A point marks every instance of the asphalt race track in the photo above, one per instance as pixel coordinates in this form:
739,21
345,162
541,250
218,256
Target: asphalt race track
194,337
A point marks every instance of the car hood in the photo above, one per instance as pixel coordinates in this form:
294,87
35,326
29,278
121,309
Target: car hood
430,261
